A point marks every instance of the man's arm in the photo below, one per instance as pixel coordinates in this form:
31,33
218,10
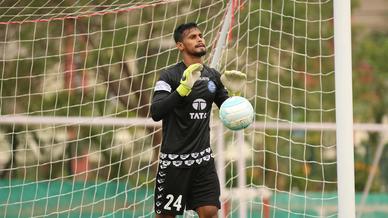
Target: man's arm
163,102
165,99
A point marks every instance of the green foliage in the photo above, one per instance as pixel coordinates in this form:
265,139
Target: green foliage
369,78
370,71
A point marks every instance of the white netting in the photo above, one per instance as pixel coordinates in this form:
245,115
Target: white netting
76,82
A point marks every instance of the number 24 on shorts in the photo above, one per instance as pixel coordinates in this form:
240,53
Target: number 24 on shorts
177,203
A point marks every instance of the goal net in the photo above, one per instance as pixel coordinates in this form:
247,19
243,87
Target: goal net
76,82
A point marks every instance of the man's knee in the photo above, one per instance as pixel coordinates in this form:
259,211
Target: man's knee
207,211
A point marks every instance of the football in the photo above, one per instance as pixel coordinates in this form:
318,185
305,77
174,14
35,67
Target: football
236,113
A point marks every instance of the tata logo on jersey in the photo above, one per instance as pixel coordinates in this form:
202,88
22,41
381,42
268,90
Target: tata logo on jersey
198,104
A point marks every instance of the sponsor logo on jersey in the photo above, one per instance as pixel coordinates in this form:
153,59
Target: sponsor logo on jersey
211,86
198,116
199,105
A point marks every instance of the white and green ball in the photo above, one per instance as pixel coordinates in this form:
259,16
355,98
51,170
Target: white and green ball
236,113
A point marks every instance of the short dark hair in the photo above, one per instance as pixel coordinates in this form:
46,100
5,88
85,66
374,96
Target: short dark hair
178,32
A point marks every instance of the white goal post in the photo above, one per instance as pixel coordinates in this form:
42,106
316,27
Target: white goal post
344,109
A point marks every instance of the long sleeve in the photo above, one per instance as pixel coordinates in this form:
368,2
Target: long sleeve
162,103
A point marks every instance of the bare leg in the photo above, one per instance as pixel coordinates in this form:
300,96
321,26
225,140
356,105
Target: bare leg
207,212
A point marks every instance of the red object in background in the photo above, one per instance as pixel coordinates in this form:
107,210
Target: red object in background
266,208
225,207
80,165
236,5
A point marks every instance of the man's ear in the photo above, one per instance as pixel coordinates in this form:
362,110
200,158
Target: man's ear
180,46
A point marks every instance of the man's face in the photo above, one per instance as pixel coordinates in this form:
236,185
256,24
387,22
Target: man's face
192,43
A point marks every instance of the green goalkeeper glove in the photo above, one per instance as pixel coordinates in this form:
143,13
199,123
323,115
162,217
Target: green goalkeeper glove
233,81
190,75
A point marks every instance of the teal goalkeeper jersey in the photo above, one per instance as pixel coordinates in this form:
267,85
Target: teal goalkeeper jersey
186,120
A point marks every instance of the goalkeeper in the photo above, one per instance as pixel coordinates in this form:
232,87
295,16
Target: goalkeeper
183,97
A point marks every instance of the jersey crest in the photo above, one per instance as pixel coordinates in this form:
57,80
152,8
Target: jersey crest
211,86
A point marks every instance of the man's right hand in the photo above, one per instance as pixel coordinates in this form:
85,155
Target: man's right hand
190,75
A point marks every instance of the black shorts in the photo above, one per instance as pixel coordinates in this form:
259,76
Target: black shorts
178,189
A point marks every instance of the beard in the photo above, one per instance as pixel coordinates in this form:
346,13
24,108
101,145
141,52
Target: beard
198,54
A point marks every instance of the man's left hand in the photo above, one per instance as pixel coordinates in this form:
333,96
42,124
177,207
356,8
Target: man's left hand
233,81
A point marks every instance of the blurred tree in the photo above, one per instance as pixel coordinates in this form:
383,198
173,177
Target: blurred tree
370,73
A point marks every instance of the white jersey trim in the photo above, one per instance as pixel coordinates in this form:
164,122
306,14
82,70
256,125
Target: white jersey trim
162,86
185,159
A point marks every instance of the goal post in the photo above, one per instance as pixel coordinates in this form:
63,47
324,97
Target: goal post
344,109
76,83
